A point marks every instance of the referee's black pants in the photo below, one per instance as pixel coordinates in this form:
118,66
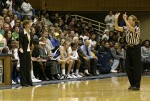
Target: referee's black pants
134,65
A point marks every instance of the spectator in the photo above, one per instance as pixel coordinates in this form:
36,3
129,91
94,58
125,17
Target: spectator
6,28
15,17
122,60
5,12
35,37
18,12
93,41
67,19
5,50
8,36
47,21
10,13
109,20
122,42
106,35
38,66
55,40
1,26
18,23
105,58
26,9
15,34
116,53
145,53
48,42
111,33
9,4
16,63
76,40
8,21
62,42
3,42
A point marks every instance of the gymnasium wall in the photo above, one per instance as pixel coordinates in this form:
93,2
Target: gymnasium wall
91,5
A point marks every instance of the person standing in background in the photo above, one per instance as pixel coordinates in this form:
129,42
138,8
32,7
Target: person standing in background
109,20
26,9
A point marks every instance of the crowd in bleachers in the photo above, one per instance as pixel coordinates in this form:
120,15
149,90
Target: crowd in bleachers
63,47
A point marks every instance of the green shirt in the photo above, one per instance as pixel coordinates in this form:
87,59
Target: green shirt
15,35
2,32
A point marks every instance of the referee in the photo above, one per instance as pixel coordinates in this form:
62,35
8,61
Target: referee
133,53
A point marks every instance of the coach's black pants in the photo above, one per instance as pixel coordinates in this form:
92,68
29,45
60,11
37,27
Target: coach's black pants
25,68
134,65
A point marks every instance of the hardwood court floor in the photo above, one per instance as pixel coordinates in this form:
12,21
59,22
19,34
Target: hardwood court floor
112,89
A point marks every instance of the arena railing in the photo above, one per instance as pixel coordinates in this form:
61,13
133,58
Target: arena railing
98,26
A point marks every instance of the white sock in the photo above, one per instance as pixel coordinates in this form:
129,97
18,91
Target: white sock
86,71
72,70
32,75
77,71
63,71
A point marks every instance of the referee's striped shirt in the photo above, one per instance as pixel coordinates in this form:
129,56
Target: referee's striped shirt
132,38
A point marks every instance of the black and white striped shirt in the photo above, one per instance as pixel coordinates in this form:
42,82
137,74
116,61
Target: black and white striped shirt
132,38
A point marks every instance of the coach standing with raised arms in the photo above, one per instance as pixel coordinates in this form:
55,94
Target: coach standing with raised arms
133,54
